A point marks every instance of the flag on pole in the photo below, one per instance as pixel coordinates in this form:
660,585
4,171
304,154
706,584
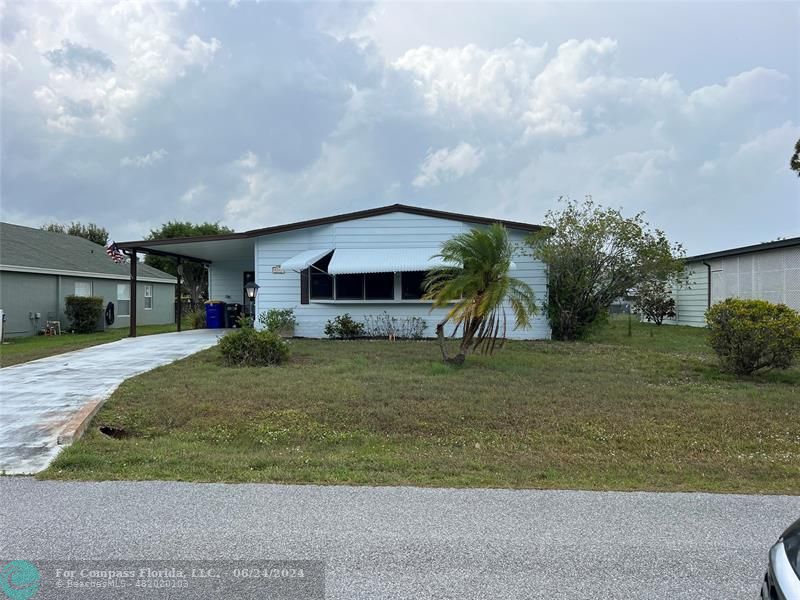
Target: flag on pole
115,253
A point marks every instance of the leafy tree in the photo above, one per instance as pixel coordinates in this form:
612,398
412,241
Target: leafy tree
794,163
475,292
195,276
654,300
595,255
91,232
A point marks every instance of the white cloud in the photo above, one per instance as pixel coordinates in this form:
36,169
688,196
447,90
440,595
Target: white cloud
10,63
448,164
520,90
110,58
144,160
193,193
472,79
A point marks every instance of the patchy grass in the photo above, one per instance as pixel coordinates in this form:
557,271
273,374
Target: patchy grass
22,349
617,412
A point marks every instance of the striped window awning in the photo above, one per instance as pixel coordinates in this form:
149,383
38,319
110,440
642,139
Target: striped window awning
384,260
304,259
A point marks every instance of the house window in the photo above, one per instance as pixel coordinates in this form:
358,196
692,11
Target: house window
411,285
349,287
320,282
148,297
379,286
124,299
356,286
83,288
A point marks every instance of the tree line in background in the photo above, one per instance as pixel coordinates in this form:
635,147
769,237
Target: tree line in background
93,233
195,275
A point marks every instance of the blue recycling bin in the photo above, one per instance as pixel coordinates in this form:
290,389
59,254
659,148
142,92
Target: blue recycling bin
215,314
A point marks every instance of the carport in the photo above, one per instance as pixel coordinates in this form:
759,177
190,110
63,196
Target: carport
235,248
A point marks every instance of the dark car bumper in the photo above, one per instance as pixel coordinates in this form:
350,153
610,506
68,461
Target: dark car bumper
780,582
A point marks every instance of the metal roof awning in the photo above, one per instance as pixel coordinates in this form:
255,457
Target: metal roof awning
384,260
301,261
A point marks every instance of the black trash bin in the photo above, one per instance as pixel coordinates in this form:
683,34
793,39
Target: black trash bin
232,313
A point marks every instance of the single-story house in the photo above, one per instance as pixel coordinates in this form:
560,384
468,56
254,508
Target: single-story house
38,269
363,263
769,271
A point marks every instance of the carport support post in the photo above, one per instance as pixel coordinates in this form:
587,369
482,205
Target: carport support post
179,314
132,295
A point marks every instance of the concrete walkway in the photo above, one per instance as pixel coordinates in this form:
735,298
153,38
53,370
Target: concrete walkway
409,542
47,398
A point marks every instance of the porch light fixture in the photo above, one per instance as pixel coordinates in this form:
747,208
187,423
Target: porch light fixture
251,289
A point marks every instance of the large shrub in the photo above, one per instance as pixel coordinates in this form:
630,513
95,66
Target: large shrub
344,327
749,335
595,255
279,320
250,348
83,312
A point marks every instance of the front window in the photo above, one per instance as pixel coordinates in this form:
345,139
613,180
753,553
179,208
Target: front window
379,286
349,287
148,297
411,284
124,299
321,283
83,288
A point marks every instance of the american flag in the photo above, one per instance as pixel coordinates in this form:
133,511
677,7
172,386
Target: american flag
115,253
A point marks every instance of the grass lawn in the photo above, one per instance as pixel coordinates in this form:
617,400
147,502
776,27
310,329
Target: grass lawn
649,412
23,349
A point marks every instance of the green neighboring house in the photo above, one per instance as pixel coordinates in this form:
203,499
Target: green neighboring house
38,269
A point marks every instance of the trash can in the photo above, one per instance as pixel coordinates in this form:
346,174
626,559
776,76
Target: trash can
232,313
215,314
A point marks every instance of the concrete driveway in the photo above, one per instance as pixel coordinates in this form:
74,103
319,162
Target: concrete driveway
411,542
45,399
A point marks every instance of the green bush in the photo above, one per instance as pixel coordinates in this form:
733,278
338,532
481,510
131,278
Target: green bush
749,335
83,312
279,320
344,327
250,348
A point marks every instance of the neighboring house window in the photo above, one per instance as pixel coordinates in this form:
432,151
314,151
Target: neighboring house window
148,297
124,299
411,284
83,288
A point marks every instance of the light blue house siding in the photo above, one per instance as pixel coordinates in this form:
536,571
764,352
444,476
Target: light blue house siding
393,230
225,279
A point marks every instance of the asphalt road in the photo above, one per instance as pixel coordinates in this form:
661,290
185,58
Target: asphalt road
415,543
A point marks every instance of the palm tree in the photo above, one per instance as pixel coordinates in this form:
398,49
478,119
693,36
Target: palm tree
477,290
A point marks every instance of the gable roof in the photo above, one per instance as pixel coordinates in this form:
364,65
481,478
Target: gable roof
789,242
35,250
360,214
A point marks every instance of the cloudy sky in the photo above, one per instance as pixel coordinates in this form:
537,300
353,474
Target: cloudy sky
254,114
